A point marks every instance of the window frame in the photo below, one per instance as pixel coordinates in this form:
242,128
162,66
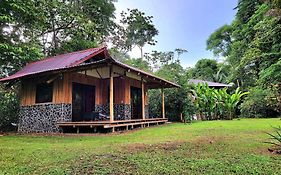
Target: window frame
39,90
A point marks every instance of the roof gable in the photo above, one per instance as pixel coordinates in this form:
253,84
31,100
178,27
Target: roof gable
56,63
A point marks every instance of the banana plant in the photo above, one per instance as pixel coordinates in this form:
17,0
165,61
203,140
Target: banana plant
233,100
215,103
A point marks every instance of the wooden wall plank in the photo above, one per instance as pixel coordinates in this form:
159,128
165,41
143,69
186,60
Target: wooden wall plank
62,92
28,93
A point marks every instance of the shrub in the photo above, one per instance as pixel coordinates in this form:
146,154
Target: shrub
177,102
154,103
9,108
256,104
188,109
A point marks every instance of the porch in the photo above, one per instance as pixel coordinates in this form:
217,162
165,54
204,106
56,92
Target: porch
107,126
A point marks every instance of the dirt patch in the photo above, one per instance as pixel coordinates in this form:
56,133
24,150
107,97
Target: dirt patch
140,147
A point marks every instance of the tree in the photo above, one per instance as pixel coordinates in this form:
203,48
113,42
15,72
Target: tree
222,73
180,51
160,58
74,25
246,8
220,41
138,63
136,29
17,46
204,69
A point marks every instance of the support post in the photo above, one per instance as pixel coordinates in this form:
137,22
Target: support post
111,107
163,103
142,100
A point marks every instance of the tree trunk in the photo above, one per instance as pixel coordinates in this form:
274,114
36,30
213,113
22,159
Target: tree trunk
141,52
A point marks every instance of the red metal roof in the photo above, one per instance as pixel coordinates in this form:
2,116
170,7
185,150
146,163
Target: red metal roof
56,63
71,60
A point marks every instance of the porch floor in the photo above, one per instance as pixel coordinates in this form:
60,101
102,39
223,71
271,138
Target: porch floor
112,126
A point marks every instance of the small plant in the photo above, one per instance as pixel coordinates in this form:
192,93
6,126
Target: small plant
275,141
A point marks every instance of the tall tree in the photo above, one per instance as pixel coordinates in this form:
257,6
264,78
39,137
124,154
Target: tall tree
220,41
73,25
136,29
204,69
180,51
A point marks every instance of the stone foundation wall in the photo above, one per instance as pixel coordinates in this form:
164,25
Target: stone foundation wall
104,109
121,111
43,117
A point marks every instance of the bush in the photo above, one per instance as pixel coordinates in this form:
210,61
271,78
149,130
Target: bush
154,103
256,104
188,109
9,108
177,102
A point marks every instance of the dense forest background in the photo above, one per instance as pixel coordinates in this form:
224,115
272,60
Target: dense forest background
251,45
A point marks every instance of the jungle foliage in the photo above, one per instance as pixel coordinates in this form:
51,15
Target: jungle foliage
251,45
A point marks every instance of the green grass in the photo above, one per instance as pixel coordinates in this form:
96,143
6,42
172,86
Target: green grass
210,147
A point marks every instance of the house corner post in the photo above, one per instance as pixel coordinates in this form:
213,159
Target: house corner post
163,103
142,100
111,89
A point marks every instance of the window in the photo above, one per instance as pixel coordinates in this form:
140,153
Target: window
44,93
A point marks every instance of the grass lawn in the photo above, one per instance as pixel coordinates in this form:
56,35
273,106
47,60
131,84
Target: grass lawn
210,147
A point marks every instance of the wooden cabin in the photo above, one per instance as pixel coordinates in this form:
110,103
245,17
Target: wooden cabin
85,89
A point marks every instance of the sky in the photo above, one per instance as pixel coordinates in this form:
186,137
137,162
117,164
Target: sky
185,24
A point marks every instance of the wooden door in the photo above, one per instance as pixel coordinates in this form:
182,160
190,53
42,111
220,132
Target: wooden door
136,103
83,100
